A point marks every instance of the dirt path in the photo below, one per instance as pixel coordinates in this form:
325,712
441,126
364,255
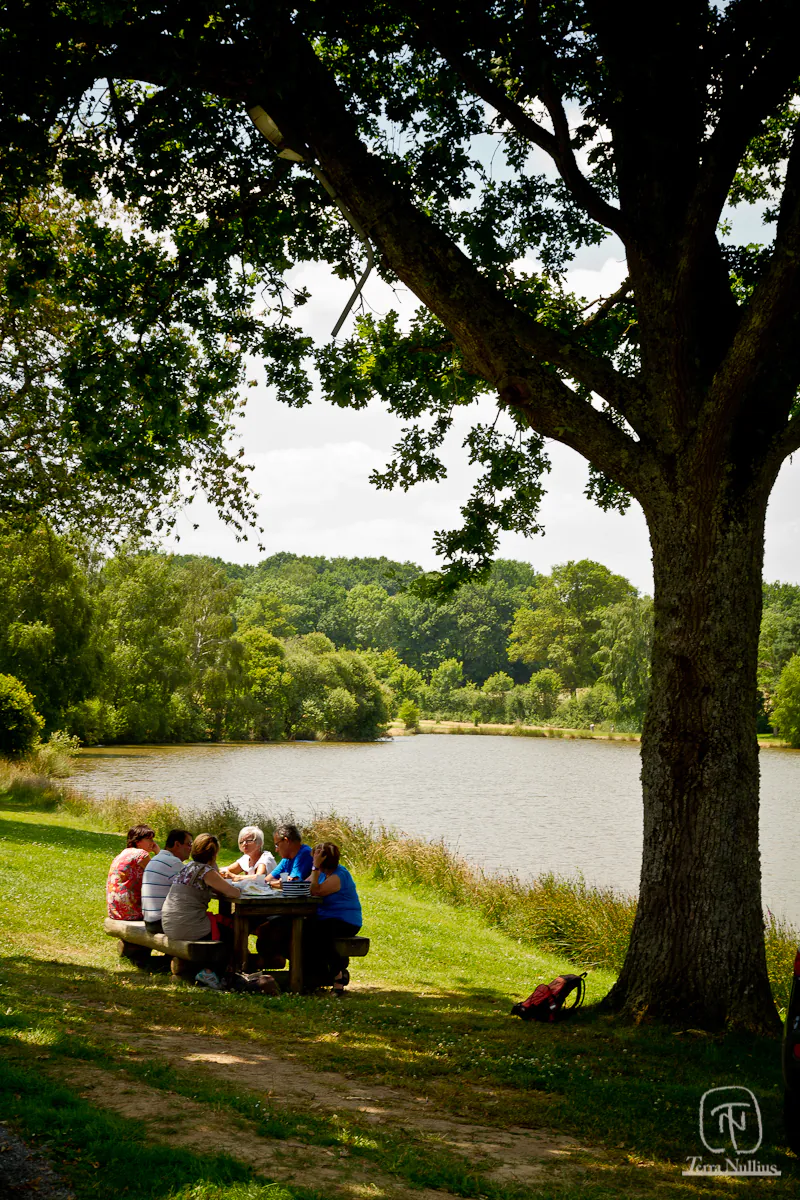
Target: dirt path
512,1155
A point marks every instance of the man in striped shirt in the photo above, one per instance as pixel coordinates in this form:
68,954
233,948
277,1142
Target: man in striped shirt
159,874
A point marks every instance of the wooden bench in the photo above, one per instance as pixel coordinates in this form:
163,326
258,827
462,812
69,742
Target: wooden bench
354,947
135,944
187,958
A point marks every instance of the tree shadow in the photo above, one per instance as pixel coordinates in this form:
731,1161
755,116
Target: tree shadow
58,836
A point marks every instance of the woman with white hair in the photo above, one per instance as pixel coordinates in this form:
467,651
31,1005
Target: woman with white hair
255,859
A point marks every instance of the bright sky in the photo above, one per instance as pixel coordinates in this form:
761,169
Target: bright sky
312,467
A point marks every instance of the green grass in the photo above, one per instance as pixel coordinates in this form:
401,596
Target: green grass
432,1020
97,1151
586,924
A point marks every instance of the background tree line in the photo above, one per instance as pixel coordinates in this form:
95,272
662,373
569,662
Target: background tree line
146,646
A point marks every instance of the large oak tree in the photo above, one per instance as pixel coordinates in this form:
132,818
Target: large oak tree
476,148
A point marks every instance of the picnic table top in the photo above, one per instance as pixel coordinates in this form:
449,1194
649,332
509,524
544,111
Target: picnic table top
287,905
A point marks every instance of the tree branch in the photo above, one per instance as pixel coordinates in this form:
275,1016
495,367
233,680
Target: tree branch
607,304
789,441
497,340
500,343
758,65
557,145
769,331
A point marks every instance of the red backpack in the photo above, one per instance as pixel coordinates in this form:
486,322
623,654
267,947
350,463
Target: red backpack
546,1002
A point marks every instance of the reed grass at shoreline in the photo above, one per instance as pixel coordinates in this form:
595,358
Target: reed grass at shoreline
585,923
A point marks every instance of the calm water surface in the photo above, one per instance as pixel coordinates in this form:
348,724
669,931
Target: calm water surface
509,804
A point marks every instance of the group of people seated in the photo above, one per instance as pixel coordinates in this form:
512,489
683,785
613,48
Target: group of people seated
170,890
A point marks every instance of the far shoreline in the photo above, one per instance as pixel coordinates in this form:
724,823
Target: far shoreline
396,729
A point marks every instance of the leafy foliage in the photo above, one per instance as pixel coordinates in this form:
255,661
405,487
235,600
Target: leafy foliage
786,713
118,375
20,724
46,617
559,623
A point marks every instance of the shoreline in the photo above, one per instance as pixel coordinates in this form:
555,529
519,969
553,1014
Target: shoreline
765,741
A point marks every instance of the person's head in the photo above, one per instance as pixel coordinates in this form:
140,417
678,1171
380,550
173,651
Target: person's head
205,848
288,840
251,838
141,837
327,855
179,843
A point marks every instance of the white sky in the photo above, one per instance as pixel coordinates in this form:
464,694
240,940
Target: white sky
312,470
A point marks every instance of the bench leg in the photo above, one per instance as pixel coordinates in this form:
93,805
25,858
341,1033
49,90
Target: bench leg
183,969
139,955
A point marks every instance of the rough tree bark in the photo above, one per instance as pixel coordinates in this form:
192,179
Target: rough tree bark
697,947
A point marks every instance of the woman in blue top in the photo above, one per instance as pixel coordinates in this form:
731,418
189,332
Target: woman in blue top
338,916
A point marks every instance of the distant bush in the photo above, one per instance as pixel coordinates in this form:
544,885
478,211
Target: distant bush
20,723
93,721
408,713
786,713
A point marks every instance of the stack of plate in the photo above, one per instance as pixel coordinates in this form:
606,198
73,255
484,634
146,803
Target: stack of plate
292,888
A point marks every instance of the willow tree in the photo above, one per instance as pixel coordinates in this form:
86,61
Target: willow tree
473,150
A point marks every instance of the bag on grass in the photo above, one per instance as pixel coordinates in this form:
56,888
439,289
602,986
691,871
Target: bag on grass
256,981
547,1001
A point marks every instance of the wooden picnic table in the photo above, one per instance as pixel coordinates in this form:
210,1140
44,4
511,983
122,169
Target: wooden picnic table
248,907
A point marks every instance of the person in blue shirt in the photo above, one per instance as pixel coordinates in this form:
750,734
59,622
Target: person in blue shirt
294,860
293,855
338,916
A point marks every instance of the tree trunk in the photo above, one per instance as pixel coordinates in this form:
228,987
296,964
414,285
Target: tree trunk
697,948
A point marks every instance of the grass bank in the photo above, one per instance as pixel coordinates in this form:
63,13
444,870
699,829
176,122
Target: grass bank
587,924
497,729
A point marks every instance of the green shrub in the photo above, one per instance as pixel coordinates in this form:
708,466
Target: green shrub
408,713
93,721
20,723
786,713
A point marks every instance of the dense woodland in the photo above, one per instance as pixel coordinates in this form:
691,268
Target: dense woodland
151,647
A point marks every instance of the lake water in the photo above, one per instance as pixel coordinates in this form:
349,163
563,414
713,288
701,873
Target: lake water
508,804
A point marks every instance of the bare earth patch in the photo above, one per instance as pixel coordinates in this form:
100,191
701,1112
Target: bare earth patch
511,1155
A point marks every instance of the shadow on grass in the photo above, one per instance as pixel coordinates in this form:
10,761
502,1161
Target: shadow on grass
100,1154
606,1083
63,837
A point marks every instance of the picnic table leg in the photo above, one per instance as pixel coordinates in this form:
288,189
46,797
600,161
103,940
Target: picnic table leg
296,956
241,934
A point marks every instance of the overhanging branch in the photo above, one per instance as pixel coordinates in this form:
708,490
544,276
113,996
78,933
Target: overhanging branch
759,65
557,145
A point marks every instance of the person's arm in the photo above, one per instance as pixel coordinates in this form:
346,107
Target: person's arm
275,876
266,863
231,871
329,885
218,884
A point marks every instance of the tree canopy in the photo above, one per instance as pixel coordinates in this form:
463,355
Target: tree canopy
475,150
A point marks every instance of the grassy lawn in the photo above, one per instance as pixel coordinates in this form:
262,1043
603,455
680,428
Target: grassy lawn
428,1015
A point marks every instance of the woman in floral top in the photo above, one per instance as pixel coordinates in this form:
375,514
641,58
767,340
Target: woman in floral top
124,886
